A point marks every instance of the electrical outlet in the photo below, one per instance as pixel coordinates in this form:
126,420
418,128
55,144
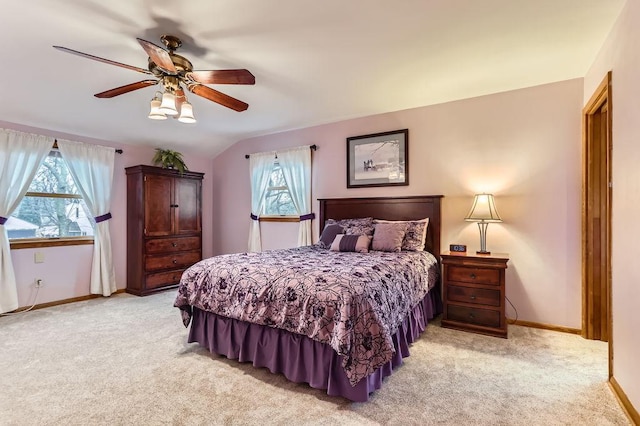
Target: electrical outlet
39,282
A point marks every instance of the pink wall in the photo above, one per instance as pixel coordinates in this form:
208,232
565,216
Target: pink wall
523,146
620,55
66,270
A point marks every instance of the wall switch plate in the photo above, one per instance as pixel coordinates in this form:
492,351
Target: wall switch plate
38,257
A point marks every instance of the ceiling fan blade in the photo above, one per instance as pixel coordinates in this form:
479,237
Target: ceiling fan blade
159,56
126,89
218,97
222,77
106,61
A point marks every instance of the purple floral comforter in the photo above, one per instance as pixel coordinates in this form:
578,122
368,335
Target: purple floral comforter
354,302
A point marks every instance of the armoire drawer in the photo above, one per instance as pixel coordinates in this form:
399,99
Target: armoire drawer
163,245
173,260
163,279
478,296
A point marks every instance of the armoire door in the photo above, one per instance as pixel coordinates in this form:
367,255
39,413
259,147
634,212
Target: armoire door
187,200
158,202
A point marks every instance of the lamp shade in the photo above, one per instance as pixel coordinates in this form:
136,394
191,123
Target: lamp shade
483,209
168,105
186,113
155,113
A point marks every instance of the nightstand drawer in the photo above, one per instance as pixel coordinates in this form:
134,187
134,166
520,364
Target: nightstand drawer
479,296
473,275
485,317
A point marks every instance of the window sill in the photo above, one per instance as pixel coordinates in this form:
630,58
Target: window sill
279,219
48,242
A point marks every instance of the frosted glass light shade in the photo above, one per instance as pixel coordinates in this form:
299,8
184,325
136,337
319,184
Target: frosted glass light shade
186,113
168,105
155,113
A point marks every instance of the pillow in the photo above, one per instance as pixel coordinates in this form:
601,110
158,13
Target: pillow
357,226
329,234
416,233
388,236
359,243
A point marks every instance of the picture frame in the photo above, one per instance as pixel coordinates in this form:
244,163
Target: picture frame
379,159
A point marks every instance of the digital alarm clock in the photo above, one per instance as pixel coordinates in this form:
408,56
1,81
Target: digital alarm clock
458,248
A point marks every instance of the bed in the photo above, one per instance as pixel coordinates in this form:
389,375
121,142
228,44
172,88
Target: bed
337,321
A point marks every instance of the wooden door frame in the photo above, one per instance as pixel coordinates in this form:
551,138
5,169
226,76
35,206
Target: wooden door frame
602,95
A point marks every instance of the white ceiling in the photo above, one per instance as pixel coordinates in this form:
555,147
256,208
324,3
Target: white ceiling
314,61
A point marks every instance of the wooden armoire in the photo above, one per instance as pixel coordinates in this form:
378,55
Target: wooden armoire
164,227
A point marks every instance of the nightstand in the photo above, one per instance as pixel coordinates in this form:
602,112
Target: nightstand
473,291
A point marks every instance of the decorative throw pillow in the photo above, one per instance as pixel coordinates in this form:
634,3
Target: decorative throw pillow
357,226
359,243
329,234
388,236
416,234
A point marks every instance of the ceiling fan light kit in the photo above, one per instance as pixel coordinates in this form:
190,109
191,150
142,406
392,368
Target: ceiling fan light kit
175,71
186,113
168,105
155,113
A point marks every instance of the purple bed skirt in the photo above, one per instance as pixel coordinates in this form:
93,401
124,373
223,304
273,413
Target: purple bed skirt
300,359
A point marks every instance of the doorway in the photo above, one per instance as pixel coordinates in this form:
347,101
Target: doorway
596,216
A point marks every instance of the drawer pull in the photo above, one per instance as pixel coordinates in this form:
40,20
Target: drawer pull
175,261
473,276
473,297
471,316
174,244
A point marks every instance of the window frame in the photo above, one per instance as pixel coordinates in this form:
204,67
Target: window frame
39,242
26,243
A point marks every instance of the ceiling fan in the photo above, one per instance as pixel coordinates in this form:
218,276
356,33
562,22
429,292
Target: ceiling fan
174,71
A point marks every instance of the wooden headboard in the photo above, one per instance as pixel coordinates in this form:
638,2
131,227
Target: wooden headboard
388,208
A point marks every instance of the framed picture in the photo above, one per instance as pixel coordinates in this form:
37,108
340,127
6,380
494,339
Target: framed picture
381,159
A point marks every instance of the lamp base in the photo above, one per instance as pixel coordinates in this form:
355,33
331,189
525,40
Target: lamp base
482,226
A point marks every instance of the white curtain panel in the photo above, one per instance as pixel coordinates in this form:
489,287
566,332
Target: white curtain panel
20,157
92,169
296,169
260,168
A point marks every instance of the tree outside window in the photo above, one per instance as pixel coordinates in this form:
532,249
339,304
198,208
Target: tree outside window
278,198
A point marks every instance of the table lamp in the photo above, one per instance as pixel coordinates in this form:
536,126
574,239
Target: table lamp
484,212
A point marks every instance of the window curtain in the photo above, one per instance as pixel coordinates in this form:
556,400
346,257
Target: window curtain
296,169
92,169
260,168
20,156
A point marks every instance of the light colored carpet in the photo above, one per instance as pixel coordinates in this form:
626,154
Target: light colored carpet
125,360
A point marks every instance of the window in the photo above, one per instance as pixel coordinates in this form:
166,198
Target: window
52,208
278,198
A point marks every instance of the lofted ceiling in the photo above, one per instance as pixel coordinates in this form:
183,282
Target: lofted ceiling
315,62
